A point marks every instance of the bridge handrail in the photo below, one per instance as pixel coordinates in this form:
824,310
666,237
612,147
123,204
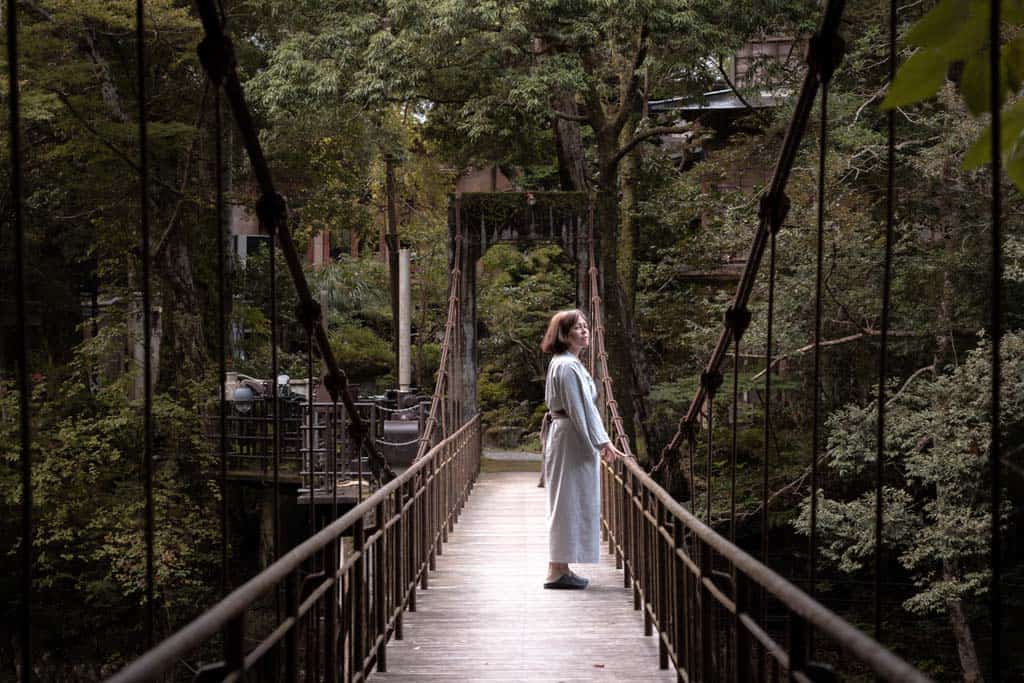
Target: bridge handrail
168,653
868,651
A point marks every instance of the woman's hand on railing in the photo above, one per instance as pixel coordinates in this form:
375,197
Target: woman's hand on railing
609,453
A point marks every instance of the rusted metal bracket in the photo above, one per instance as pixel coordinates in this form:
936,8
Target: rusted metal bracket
773,209
710,381
824,53
737,320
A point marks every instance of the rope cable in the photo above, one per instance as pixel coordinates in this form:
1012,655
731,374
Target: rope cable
24,389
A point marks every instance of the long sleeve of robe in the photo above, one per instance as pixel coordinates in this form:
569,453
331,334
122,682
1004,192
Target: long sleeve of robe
571,463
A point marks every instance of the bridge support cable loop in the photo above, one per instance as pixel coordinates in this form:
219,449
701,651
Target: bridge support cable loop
24,388
996,325
218,61
147,334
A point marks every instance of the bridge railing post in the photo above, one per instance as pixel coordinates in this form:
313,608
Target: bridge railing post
332,607
648,583
707,610
663,569
400,584
358,597
291,657
380,563
797,646
740,634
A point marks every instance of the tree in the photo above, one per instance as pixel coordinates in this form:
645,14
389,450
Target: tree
936,512
505,70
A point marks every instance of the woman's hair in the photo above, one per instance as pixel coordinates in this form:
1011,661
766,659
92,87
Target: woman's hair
556,339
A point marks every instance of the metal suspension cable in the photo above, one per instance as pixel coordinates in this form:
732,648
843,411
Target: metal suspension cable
816,381
996,450
826,51
737,320
711,451
617,428
310,430
24,389
147,342
732,455
442,388
216,53
883,352
222,333
767,414
275,421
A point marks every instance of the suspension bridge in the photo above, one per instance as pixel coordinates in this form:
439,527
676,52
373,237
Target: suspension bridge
435,573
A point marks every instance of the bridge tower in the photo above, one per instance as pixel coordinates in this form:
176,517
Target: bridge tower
484,219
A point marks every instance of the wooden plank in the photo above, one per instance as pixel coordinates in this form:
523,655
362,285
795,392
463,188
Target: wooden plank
486,616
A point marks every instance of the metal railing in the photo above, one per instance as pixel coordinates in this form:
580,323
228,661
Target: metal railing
676,564
343,601
250,438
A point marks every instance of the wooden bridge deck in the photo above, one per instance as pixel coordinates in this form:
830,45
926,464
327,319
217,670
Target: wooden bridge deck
486,616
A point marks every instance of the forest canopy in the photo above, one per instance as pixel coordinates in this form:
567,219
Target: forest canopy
370,114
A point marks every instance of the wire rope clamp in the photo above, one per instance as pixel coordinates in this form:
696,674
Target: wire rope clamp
333,384
688,430
308,313
711,381
825,51
737,320
774,207
272,211
217,55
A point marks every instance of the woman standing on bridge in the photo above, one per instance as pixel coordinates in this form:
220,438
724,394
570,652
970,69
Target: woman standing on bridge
575,438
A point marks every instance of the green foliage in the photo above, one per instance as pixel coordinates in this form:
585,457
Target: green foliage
936,513
89,543
519,291
956,32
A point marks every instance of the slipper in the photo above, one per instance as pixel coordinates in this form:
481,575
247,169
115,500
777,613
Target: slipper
568,582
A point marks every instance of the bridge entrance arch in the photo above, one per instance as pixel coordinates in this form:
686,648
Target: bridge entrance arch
483,219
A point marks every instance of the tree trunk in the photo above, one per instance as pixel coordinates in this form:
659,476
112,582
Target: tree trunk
616,323
629,169
569,146
962,632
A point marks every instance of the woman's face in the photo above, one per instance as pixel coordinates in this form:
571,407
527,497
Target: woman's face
579,336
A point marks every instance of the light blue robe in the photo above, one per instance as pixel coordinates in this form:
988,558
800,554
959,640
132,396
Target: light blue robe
571,463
